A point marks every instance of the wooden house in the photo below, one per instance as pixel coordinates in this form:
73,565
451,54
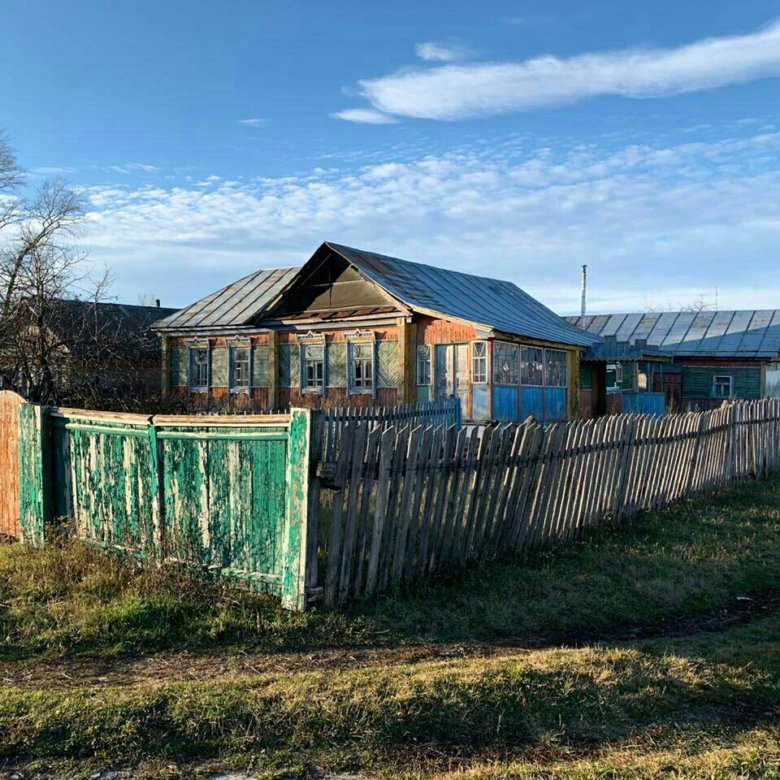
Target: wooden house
356,328
82,351
678,360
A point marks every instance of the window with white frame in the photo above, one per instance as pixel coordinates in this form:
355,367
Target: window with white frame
361,366
532,366
312,367
239,367
199,368
479,362
423,365
554,368
722,386
614,376
506,363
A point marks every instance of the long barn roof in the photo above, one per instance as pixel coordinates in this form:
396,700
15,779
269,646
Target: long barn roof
490,303
745,334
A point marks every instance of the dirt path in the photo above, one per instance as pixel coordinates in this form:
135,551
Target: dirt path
88,671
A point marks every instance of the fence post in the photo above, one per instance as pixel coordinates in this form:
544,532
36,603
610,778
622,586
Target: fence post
296,525
34,474
158,505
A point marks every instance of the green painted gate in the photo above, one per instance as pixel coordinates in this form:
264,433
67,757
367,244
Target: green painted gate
226,494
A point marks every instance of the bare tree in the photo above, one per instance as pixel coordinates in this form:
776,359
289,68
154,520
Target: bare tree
695,306
39,270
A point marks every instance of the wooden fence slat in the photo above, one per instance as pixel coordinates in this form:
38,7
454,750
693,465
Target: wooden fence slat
380,512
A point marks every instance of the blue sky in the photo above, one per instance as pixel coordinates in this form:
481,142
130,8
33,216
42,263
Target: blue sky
513,139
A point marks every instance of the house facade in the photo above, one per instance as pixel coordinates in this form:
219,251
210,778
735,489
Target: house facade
680,360
354,328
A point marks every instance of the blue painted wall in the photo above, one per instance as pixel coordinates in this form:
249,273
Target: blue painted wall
532,403
555,403
480,403
505,403
644,403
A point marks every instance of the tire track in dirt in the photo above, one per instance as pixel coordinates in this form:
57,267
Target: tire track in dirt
89,671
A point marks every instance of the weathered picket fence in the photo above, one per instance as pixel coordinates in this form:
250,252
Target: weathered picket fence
415,501
333,421
229,495
328,506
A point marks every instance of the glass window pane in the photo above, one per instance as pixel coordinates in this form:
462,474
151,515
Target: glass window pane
532,366
479,362
423,364
505,363
555,367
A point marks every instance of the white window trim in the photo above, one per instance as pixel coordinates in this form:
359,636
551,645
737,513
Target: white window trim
312,339
239,344
487,357
715,382
191,347
367,338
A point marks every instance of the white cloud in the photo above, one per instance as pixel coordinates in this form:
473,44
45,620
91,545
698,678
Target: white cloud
366,116
455,91
51,170
441,52
254,122
651,221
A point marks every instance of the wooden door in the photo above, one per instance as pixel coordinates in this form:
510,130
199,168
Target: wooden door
670,384
452,374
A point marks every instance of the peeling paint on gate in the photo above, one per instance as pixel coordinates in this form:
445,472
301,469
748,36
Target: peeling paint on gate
207,492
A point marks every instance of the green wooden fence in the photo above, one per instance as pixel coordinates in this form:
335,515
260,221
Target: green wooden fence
227,495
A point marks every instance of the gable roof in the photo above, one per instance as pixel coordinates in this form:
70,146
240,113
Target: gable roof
745,334
490,303
84,326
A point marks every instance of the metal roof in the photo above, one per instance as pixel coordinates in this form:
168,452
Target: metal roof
742,334
491,303
96,328
234,305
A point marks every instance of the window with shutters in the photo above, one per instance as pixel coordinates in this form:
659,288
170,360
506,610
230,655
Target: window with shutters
312,368
239,368
199,369
361,367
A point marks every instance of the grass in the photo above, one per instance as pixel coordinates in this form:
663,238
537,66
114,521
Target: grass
694,704
688,560
402,720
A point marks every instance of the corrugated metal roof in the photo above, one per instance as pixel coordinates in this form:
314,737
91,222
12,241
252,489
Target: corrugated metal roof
745,334
234,305
492,303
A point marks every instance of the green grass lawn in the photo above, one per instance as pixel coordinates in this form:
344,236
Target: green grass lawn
691,704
